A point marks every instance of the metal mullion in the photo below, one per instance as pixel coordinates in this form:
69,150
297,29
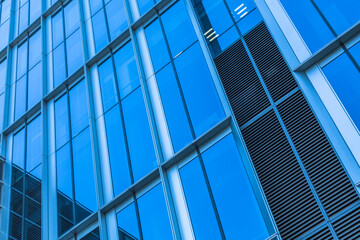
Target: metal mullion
106,22
65,38
27,73
138,216
24,181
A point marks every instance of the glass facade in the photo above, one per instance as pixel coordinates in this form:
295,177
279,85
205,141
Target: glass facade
115,128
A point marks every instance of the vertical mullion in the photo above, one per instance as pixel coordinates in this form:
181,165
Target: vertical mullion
138,217
64,36
24,182
106,22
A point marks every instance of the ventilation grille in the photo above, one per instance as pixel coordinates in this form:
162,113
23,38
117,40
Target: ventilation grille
272,67
290,198
330,181
348,226
322,234
15,228
243,88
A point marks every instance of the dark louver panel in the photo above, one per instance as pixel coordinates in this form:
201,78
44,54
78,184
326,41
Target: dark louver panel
322,234
287,191
330,181
15,229
243,88
271,64
348,226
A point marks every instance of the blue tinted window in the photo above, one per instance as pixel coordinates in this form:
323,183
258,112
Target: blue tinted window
157,46
2,100
250,21
3,75
100,33
239,212
84,182
78,110
4,31
199,91
63,171
74,52
127,223
218,44
355,52
34,86
34,49
141,148
71,13
117,151
116,18
310,25
198,201
23,17
18,156
95,5
178,28
174,109
34,146
20,95
107,84
35,10
154,219
59,65
345,80
240,9
61,122
57,29
21,60
145,5
126,70
340,14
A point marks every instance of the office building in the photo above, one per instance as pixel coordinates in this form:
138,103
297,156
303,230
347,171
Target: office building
188,119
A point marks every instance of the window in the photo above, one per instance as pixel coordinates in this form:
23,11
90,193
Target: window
3,66
28,91
29,11
75,174
4,22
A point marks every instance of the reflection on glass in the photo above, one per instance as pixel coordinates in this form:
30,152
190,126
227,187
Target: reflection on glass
127,223
100,33
20,97
144,5
74,52
34,49
33,147
78,110
18,157
355,52
61,122
21,60
107,84
116,16
34,86
71,15
59,71
57,29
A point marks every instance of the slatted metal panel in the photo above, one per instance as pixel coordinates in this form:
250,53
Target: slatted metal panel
348,226
322,234
330,181
15,229
287,191
273,69
243,88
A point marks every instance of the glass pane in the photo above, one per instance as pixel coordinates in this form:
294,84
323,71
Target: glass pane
93,235
57,29
340,14
78,110
95,6
107,84
116,17
100,33
35,10
2,102
59,65
34,86
239,9
198,201
4,31
127,223
3,66
84,175
20,97
34,146
157,46
61,122
141,148
199,91
178,28
238,209
117,151
23,17
64,172
18,156
355,52
74,52
126,70
144,5
72,19
174,109
345,80
154,219
251,20
22,60
220,43
34,49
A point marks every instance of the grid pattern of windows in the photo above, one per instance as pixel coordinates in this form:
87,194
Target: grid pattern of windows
28,11
4,22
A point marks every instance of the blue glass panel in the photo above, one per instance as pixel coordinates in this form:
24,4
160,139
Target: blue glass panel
84,171
340,14
21,60
23,17
63,171
2,102
34,145
3,75
72,19
117,151
144,5
20,97
240,9
154,219
157,45
107,85
57,29
310,25
238,209
198,201
35,10
5,10
34,86
95,5
127,223
251,20
74,52
355,52
62,134
116,16
34,49
126,70
218,44
100,33
345,80
178,28
18,154
4,31
141,148
199,91
174,109
78,110
59,73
